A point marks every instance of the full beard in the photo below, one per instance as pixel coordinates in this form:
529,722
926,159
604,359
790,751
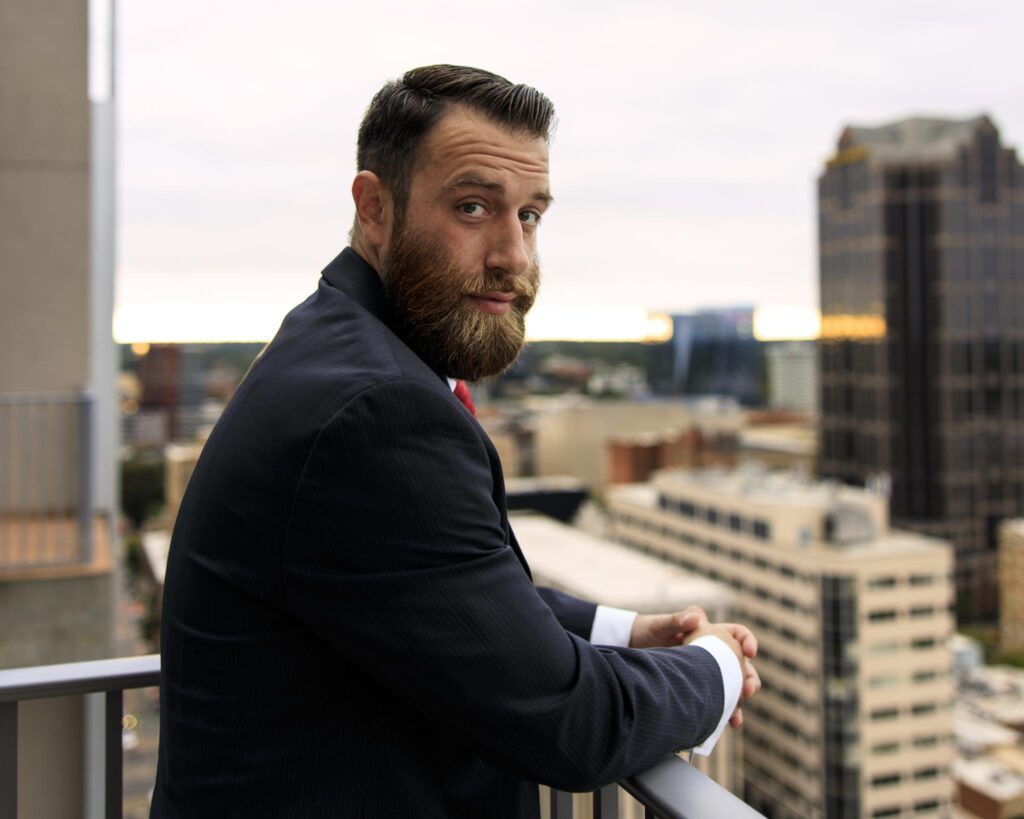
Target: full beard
428,295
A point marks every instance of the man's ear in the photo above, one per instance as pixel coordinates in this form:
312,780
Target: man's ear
372,208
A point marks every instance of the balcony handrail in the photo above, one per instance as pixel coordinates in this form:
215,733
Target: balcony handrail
672,789
70,679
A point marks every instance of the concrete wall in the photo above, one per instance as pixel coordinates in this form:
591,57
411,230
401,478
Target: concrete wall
45,149
56,620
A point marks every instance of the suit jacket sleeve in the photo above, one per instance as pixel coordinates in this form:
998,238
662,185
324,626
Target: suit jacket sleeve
574,614
397,555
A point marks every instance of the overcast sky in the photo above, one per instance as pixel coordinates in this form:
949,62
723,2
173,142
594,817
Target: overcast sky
690,135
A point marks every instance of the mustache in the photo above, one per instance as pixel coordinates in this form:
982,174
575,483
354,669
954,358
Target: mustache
523,286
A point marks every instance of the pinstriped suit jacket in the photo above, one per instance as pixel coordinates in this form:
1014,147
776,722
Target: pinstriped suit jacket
349,626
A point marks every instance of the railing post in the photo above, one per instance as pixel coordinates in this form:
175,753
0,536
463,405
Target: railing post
85,493
561,804
114,754
606,802
8,758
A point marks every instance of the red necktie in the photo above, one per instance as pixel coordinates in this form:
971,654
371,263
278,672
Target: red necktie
462,393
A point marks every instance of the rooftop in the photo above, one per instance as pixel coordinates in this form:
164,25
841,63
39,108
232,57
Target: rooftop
770,491
990,777
1014,526
976,734
995,693
595,568
914,139
794,439
756,484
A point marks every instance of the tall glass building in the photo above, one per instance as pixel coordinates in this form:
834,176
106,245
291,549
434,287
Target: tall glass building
921,227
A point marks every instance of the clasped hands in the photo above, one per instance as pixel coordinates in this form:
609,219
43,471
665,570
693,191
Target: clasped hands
683,627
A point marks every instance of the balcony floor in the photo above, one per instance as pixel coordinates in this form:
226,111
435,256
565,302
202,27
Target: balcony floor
47,547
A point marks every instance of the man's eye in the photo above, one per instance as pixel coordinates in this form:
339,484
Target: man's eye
530,217
472,209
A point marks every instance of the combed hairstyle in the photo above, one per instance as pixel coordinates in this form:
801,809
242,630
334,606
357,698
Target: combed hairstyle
402,113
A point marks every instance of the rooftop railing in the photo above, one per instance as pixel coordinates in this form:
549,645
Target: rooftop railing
46,493
670,790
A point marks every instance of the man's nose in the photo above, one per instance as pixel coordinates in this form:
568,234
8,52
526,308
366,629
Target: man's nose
507,253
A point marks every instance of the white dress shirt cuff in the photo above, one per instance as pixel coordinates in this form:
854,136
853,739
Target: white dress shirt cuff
612,626
732,685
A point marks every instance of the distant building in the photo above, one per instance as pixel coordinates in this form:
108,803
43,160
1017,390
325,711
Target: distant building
991,787
711,353
1011,585
922,347
987,723
793,375
571,434
633,458
179,463
853,621
786,446
171,378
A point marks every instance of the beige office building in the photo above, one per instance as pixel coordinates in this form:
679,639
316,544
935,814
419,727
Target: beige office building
853,619
572,433
1011,585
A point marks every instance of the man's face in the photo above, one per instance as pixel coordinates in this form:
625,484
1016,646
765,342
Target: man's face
461,266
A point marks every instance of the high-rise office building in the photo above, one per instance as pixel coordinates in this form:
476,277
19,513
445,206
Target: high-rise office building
922,348
793,375
852,617
711,352
58,421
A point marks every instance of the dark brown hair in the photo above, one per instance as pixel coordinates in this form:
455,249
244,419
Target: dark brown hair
402,113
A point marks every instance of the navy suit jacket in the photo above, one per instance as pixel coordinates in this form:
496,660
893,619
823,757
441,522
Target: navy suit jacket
349,626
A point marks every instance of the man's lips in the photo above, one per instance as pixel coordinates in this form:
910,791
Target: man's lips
493,301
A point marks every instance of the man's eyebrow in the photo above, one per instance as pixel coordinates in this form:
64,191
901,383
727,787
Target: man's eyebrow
474,181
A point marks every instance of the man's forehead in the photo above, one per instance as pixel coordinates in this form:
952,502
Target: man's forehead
463,139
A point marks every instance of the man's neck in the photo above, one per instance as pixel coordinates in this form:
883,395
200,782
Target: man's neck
366,251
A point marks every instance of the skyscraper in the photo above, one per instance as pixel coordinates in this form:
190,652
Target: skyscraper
920,227
711,352
58,410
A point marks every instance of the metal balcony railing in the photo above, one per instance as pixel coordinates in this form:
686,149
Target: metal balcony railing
671,789
46,492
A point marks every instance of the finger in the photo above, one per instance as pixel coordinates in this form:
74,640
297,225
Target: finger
691,617
736,720
745,637
751,681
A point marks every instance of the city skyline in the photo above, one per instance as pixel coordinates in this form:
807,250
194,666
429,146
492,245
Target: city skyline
693,136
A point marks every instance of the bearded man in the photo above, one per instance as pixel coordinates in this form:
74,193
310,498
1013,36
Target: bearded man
349,626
